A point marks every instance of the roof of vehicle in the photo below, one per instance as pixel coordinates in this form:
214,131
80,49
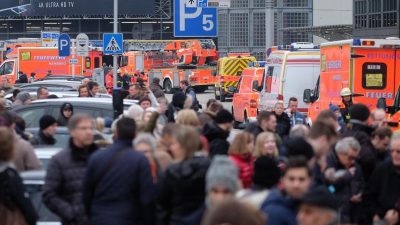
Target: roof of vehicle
33,176
65,94
63,77
370,43
84,100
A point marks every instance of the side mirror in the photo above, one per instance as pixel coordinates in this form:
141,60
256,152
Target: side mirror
307,96
232,89
381,104
255,85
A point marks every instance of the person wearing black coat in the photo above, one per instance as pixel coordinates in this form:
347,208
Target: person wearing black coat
359,129
62,191
23,78
15,206
66,112
182,189
343,176
118,186
283,120
381,195
178,101
217,133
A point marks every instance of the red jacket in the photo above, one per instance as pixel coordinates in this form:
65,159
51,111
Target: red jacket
245,165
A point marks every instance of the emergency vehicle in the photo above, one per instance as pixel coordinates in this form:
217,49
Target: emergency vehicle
228,73
39,60
288,70
172,61
12,45
246,96
369,67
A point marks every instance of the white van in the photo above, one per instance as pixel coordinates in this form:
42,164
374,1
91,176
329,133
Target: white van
287,74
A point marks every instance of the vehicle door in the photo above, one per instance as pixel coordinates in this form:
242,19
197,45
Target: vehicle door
32,115
7,72
266,83
375,75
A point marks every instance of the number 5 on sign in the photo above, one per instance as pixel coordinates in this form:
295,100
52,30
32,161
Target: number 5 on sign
208,24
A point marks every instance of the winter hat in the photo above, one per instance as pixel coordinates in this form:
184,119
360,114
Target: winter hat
156,80
298,146
46,121
333,108
266,172
321,197
66,105
178,99
223,116
23,96
359,112
222,172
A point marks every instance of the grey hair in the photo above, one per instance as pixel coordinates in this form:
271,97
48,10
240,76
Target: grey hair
395,137
146,138
299,130
344,145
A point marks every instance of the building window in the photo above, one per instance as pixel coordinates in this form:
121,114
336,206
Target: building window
389,5
375,6
390,19
259,29
260,56
295,3
258,3
361,21
239,27
223,29
375,20
240,3
360,7
295,19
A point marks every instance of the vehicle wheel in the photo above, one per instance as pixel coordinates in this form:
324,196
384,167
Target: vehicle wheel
217,97
246,118
235,122
221,92
167,86
200,89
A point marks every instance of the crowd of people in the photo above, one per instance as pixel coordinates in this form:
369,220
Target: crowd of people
176,164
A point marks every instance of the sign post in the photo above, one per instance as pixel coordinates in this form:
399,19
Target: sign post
49,39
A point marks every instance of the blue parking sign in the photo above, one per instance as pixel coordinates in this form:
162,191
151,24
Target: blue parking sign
64,47
192,19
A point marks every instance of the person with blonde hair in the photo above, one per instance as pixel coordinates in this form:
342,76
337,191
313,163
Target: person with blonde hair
182,188
266,145
188,117
240,152
283,120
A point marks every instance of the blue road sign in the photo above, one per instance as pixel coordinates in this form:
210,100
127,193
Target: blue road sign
192,19
112,44
64,45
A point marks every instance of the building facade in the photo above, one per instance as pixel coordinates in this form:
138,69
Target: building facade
156,24
242,27
376,18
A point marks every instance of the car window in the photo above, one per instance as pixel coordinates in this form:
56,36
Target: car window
32,115
61,140
35,195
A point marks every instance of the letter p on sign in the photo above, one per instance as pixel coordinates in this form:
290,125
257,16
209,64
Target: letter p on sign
64,47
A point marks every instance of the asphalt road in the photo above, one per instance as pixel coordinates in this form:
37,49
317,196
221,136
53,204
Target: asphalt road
203,98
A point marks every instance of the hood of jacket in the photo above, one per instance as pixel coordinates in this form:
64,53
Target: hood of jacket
190,169
212,131
356,125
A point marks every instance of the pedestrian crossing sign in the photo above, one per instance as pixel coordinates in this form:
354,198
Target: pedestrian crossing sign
112,44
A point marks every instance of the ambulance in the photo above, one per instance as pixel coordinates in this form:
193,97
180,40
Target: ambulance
369,67
229,71
287,71
245,97
39,60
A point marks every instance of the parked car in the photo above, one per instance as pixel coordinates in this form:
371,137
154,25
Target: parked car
33,182
51,85
63,77
44,154
97,107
